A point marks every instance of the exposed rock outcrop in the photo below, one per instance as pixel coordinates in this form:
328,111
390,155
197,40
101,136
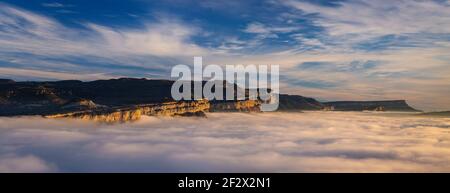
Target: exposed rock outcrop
236,106
135,112
109,100
81,104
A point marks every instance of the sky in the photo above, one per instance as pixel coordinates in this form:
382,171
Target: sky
330,50
231,142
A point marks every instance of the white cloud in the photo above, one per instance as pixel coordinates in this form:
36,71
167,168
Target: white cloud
28,163
42,44
161,39
42,74
55,5
262,31
256,28
260,28
27,32
375,18
231,142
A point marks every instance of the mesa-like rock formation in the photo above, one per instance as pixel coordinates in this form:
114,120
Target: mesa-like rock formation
388,105
195,108
112,100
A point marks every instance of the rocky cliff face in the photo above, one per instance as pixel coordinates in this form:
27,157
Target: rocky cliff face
236,106
105,100
135,112
390,105
182,108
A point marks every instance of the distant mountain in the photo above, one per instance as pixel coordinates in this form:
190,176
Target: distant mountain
438,114
388,105
298,103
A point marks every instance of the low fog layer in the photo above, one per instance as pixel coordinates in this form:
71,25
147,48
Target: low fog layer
230,142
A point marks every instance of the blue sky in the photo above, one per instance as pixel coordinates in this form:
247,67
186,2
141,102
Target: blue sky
332,50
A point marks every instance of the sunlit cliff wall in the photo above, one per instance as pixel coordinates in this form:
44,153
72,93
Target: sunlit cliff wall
236,106
162,109
135,112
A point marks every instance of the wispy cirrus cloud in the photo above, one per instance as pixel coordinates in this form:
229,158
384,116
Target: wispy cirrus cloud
25,36
259,28
55,5
360,25
26,31
160,39
376,18
51,75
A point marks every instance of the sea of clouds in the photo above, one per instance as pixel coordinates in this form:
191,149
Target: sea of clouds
230,142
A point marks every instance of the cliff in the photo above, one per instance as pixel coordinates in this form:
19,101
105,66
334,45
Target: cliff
105,100
128,99
236,106
195,108
389,105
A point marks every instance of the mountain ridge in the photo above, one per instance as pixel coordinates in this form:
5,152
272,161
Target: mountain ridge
379,105
129,98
